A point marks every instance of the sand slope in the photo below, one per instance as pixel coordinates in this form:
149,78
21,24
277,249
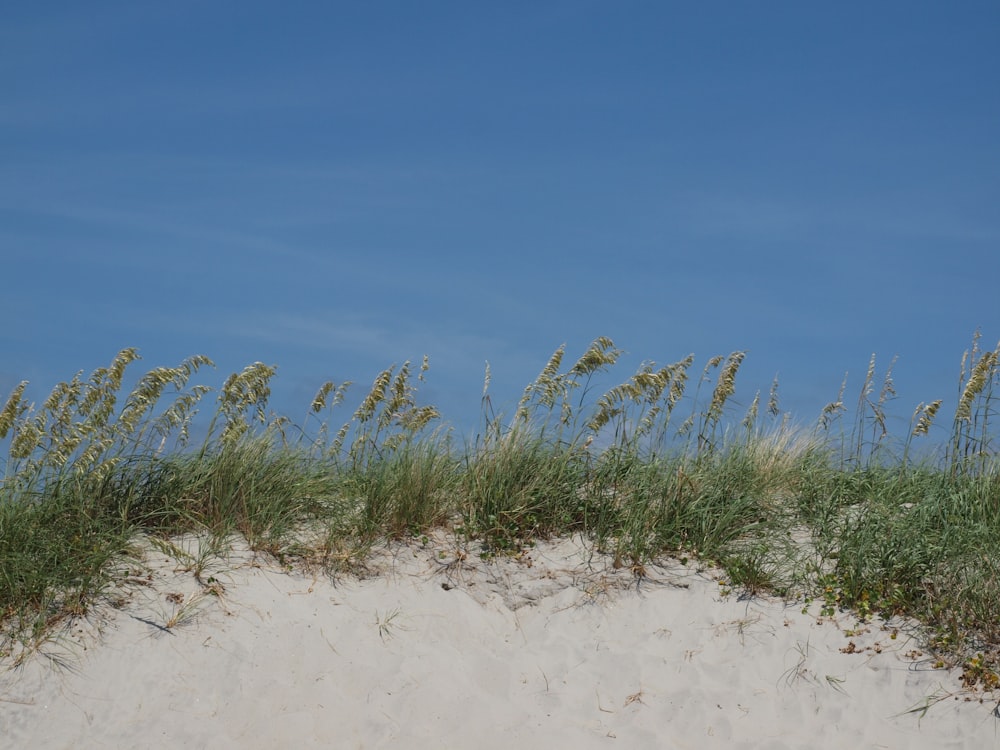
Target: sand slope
439,649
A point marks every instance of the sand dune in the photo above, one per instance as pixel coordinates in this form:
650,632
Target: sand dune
437,648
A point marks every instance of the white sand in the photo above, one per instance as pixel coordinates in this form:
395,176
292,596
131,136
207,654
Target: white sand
439,652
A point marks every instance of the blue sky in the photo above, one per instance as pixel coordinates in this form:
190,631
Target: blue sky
334,187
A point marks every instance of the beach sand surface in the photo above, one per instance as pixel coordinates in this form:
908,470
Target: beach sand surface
434,647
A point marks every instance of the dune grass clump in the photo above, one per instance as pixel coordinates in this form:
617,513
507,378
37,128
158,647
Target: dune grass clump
661,463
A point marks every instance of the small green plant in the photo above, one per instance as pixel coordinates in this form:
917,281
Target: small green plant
751,571
387,623
831,596
185,608
982,671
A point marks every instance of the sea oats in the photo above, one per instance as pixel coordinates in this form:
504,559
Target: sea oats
414,420
27,437
143,398
601,354
401,398
981,374
233,431
829,412
888,391
610,405
248,389
686,426
88,460
649,387
888,385
970,430
322,399
102,391
13,410
545,386
648,421
61,394
552,366
319,400
726,385
487,379
338,440
645,387
650,384
392,442
832,409
565,412
678,380
750,420
772,399
179,414
868,385
375,396
116,372
969,357
927,414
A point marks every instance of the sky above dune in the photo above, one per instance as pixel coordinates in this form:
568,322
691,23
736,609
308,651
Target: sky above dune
335,187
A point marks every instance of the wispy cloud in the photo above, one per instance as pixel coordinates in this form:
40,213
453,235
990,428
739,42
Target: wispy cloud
732,215
341,332
720,214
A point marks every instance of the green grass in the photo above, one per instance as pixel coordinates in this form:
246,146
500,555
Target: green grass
841,512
